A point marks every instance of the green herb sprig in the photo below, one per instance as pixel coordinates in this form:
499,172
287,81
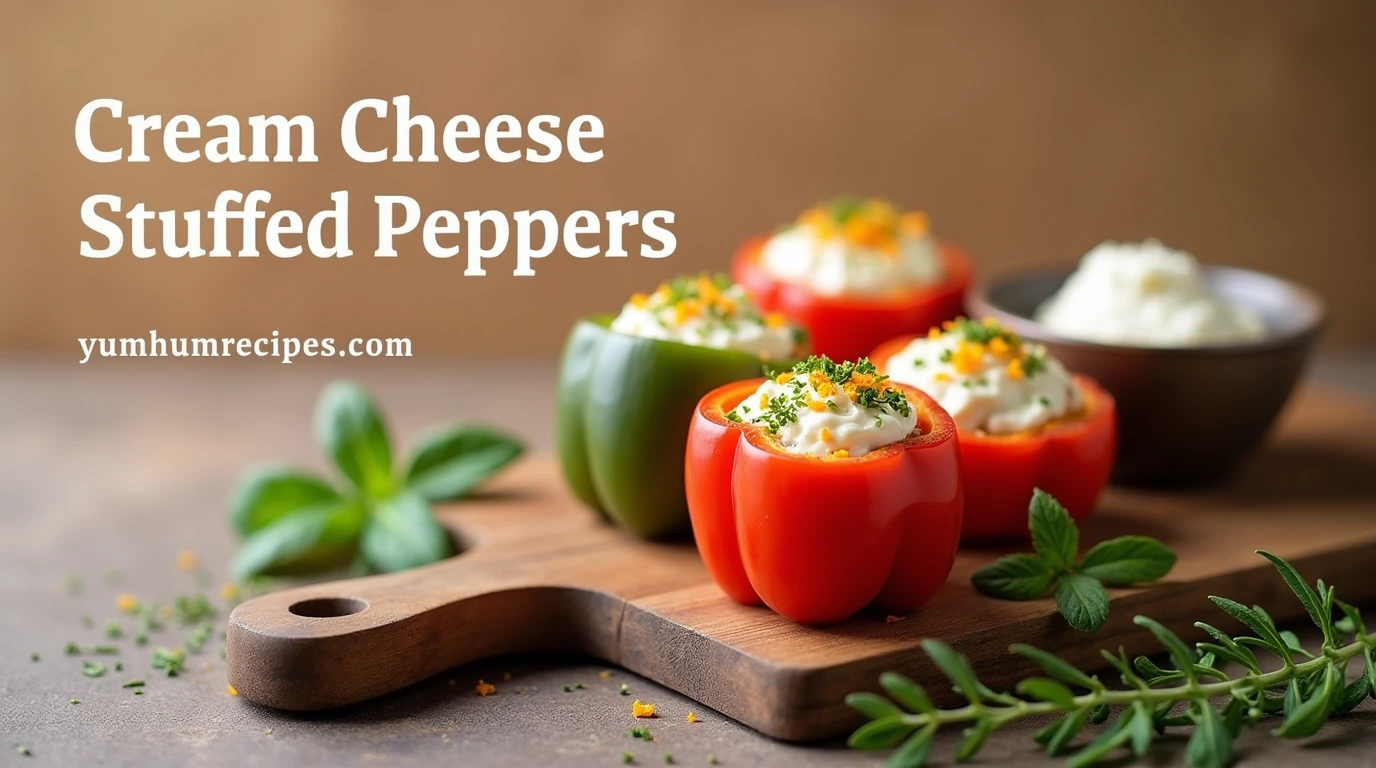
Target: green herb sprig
294,522
1306,690
1079,584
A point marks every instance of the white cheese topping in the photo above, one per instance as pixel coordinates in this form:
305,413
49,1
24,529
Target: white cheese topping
1146,295
852,248
707,312
809,414
987,379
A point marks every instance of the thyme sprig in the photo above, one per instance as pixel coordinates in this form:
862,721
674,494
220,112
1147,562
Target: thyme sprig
1306,690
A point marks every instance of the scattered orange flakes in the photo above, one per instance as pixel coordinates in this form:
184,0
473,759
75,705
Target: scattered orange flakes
968,357
784,377
820,221
686,309
764,401
483,688
1015,370
840,454
187,560
605,674
126,603
941,376
642,710
826,388
892,619
231,690
915,224
775,320
692,718
999,347
825,434
506,677
639,300
934,333
818,405
229,591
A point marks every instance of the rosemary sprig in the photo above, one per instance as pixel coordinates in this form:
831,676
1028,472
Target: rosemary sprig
1307,690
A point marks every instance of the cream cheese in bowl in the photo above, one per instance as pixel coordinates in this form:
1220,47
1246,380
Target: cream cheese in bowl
1146,295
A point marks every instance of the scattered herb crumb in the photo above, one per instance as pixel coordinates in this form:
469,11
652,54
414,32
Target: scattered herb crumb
141,639
86,621
105,650
267,731
23,750
113,629
198,637
712,760
642,710
484,688
74,701
71,585
92,668
692,718
35,657
625,690
627,758
71,649
568,688
668,758
170,660
231,690
135,683
119,666
641,733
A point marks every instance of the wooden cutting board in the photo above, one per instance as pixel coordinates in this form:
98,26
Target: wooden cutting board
539,573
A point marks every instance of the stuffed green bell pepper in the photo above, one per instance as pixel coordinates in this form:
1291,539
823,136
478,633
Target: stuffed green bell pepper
628,387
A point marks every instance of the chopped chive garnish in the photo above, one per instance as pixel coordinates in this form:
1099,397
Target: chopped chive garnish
135,683
625,690
92,668
113,629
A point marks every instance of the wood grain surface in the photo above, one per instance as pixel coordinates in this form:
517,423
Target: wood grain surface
539,574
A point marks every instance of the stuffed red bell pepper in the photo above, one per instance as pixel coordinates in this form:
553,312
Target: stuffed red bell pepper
855,273
1024,421
628,386
824,490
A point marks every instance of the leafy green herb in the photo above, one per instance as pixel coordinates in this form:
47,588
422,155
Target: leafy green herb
293,522
92,668
1305,694
668,758
712,760
1079,585
73,701
119,666
23,750
198,637
192,609
627,758
868,391
625,690
169,660
641,733
105,650
35,657
113,629
136,683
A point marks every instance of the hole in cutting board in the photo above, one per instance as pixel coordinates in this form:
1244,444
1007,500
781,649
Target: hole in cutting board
327,607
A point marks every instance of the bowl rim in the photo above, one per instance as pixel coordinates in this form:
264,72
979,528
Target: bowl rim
978,302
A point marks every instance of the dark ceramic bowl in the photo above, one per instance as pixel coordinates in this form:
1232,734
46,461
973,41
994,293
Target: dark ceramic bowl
1187,416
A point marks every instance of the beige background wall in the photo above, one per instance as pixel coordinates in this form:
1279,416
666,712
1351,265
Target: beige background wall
1030,130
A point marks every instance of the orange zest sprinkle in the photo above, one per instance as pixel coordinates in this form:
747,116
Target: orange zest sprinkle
229,591
784,377
840,454
775,320
231,690
639,300
934,333
484,688
692,718
999,347
915,224
825,434
818,405
126,603
642,710
187,560
941,376
1015,370
967,357
764,401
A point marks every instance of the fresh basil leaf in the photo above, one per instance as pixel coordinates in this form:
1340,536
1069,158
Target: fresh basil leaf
1046,689
880,734
1210,746
955,666
264,494
1056,666
872,705
906,692
914,752
401,533
1015,577
349,426
314,538
1054,535
1127,560
450,462
1083,602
